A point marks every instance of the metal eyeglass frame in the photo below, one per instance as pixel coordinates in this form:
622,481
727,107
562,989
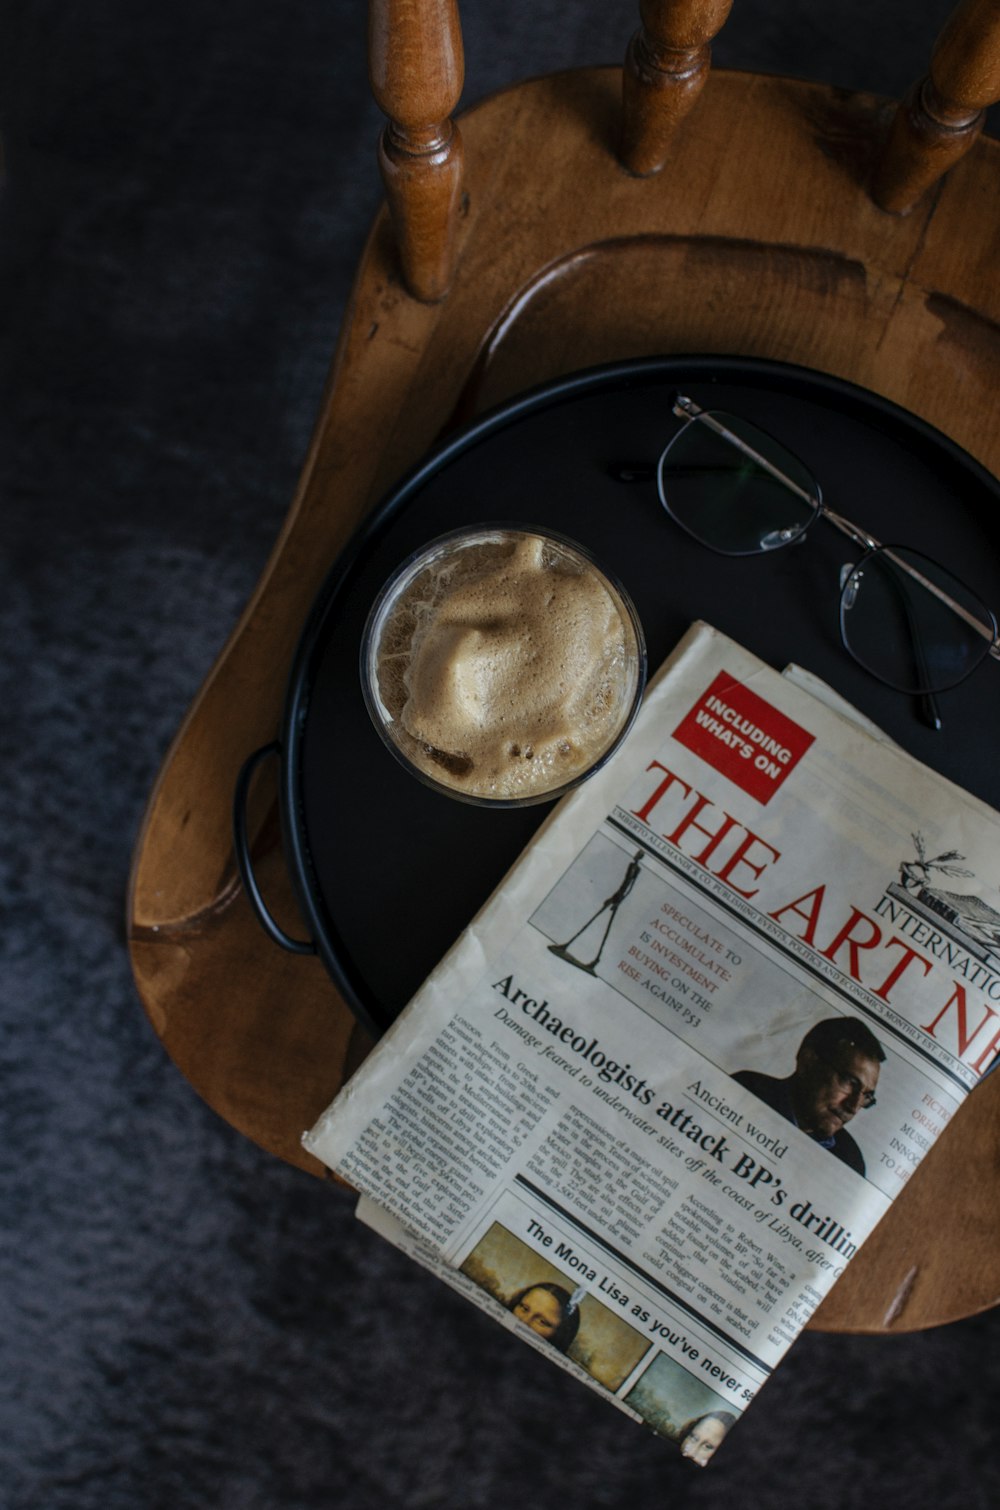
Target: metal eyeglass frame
686,408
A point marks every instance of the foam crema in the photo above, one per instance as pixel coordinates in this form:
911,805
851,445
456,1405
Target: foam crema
503,664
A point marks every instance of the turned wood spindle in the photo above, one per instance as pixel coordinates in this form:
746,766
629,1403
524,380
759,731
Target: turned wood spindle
666,66
943,113
416,70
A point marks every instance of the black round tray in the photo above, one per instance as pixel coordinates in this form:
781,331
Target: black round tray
388,872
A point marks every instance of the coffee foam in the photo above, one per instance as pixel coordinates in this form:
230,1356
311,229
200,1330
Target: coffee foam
505,668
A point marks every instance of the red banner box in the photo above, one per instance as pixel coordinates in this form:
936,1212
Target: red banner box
743,737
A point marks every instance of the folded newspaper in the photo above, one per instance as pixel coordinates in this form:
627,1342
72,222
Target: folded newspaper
665,1084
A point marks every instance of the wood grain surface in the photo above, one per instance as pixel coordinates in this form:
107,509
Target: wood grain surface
666,68
945,111
416,70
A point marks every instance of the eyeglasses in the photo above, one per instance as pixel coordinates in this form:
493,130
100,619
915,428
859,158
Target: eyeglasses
849,1084
903,617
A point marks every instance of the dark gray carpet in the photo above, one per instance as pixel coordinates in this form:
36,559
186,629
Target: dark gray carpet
185,1322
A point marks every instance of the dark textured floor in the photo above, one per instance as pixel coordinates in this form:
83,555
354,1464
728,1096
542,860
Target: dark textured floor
183,1321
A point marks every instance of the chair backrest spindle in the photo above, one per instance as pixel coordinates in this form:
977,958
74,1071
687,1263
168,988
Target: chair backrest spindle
416,69
666,66
943,113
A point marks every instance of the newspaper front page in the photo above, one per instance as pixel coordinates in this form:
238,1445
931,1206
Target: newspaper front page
663,1087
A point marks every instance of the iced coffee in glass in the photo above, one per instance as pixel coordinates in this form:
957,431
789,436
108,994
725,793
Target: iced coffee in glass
503,665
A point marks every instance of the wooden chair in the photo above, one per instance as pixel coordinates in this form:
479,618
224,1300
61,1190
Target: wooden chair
822,233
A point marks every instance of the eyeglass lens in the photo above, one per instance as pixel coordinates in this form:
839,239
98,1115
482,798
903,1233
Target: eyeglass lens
910,622
724,489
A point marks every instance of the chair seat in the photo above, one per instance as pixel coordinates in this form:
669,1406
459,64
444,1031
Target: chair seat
759,242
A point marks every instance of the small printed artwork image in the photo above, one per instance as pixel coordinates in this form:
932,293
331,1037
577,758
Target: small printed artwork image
678,1405
556,1303
967,916
579,915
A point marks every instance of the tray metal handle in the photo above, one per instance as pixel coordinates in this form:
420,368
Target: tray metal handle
244,862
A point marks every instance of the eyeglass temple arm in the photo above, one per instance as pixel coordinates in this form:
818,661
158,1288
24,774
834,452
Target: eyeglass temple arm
686,408
930,708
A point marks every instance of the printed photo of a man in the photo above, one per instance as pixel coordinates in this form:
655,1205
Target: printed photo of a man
836,1072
